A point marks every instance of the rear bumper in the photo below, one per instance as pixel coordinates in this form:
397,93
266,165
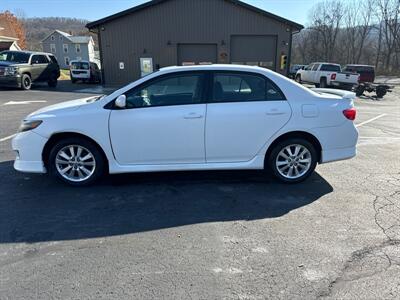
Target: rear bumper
28,147
10,81
338,142
342,84
338,154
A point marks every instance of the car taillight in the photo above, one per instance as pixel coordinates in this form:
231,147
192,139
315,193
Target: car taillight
333,76
350,113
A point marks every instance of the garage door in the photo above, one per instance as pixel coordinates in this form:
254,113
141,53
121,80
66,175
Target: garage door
194,54
259,50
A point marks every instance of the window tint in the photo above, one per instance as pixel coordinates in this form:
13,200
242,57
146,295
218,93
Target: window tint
171,90
39,59
238,87
309,67
77,65
53,59
17,57
273,92
315,67
330,68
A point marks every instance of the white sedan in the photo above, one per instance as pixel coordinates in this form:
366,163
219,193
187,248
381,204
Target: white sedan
216,117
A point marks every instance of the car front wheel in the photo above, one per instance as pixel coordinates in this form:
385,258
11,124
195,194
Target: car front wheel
293,160
76,161
26,82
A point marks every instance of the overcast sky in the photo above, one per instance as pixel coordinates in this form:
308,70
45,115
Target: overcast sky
295,10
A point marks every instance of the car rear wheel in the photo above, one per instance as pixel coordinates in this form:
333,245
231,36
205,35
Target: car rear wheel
322,83
293,160
26,82
298,78
76,161
52,81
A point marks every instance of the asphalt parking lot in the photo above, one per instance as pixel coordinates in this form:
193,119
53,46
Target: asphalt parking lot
204,235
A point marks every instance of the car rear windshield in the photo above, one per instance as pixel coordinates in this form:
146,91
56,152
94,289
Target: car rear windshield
330,68
79,65
13,56
53,59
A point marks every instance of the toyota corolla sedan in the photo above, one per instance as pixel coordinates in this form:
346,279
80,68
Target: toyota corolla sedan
216,117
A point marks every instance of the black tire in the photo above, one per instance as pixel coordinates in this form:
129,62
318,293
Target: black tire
359,90
322,83
380,93
317,85
272,159
100,163
73,80
26,82
298,78
52,81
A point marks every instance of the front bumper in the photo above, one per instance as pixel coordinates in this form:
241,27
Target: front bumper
29,147
10,81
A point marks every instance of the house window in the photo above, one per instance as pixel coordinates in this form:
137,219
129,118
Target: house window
66,59
61,38
53,38
53,48
65,47
78,48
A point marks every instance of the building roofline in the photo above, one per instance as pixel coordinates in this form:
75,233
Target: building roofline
137,8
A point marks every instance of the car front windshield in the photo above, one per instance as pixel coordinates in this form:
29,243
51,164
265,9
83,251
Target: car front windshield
79,66
13,56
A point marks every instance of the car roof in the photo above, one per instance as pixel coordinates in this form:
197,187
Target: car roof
324,63
29,52
218,67
353,65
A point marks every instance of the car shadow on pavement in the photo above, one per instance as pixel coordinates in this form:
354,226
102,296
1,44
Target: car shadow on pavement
36,208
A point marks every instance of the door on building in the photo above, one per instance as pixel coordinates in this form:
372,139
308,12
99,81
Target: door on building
194,54
258,50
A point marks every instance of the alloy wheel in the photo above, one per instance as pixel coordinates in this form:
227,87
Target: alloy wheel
293,161
75,163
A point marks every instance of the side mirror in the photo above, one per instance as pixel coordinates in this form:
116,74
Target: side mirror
120,102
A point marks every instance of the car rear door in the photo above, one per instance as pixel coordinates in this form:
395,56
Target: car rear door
244,111
163,122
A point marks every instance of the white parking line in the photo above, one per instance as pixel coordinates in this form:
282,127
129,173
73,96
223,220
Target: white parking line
7,137
370,120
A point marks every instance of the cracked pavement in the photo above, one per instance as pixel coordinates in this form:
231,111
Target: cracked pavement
206,235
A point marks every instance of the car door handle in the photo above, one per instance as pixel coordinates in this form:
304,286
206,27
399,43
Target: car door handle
193,116
275,112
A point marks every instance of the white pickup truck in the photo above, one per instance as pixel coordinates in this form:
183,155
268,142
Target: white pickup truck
327,75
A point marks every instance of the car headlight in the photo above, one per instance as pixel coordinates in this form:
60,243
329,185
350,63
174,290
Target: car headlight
10,71
29,125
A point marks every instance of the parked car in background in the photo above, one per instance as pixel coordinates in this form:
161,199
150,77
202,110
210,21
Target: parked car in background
22,68
327,75
215,117
293,70
366,80
85,71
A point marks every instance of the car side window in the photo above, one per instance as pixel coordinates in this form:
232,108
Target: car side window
315,67
309,67
274,93
175,89
39,59
238,87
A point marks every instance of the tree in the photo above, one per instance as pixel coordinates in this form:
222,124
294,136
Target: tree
326,18
16,26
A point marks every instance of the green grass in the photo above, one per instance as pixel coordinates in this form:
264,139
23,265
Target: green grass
64,75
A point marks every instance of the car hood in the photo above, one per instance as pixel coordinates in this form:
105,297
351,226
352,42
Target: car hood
6,63
63,107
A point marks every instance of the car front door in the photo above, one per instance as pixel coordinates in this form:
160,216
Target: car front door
163,122
245,111
39,67
306,75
